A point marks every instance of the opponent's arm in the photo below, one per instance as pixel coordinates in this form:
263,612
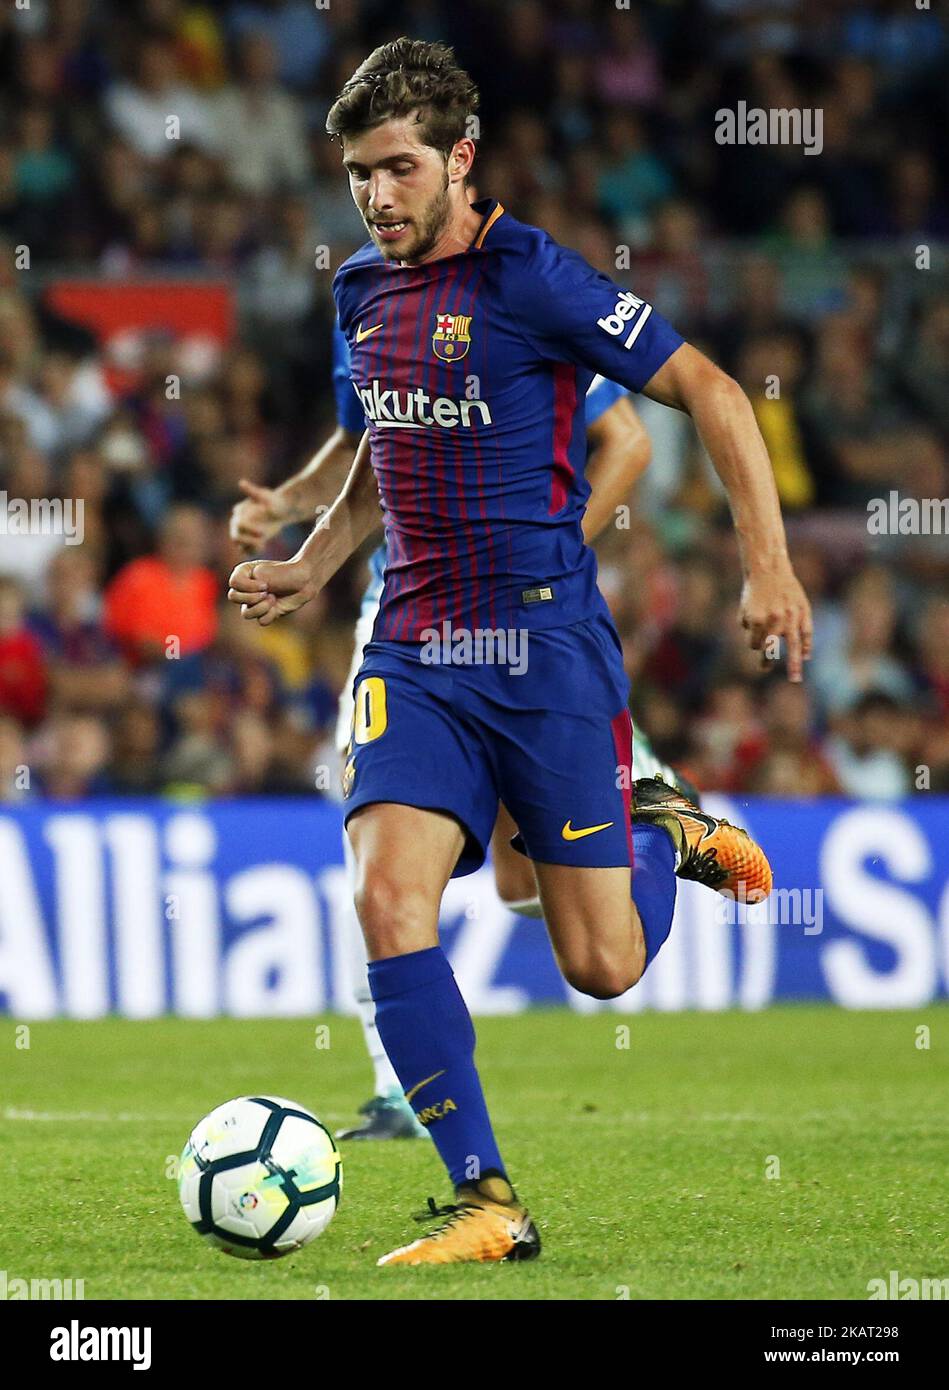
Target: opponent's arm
772,600
619,454
264,511
265,589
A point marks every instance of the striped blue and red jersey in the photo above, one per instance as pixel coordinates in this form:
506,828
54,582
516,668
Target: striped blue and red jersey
471,372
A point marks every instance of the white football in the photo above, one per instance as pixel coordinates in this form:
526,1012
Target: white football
260,1177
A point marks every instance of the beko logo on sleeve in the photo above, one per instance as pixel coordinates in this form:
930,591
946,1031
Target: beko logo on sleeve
628,308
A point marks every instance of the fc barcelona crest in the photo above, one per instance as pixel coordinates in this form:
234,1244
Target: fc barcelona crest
452,337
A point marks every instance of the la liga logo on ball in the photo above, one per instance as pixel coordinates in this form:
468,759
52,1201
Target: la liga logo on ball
260,1177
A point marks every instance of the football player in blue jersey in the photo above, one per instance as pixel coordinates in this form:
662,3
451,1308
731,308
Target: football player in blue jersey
619,452
494,673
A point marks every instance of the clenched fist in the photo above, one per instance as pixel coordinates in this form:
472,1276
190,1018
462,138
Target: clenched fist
266,589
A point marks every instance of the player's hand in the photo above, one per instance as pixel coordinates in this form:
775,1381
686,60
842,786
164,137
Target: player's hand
773,604
261,514
266,589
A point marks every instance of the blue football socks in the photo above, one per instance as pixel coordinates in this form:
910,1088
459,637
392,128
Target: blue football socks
654,884
427,1032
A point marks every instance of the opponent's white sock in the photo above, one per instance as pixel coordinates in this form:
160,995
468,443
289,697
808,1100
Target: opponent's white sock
386,1081
530,907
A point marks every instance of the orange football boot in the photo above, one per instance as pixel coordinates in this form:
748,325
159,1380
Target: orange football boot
711,851
487,1224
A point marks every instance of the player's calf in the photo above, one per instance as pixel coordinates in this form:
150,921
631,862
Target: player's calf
596,930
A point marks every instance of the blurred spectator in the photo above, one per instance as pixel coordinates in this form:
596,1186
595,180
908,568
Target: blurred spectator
142,108
862,427
164,604
260,129
44,172
627,71
915,207
865,663
23,674
84,667
730,737
73,757
261,766
933,646
135,768
812,269
671,270
197,756
792,761
684,659
770,370
634,178
862,752
298,30
76,397
902,42
925,364
570,116
15,781
756,310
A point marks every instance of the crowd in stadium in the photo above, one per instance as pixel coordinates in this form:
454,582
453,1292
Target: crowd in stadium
819,281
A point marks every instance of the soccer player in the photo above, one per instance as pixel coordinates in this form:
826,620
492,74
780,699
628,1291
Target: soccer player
619,453
473,338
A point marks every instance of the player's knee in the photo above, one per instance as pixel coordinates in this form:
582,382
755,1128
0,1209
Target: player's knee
394,915
603,977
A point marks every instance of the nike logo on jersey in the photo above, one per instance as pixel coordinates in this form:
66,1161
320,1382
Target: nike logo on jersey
627,307
362,333
418,1086
569,833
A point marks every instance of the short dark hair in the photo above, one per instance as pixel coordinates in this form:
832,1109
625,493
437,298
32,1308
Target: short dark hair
404,76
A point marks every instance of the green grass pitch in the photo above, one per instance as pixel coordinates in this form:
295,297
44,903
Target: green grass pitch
646,1166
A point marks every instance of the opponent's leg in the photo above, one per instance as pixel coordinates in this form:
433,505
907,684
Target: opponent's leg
646,763
388,1114
513,873
405,856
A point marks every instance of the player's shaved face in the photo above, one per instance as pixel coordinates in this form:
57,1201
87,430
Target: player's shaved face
401,188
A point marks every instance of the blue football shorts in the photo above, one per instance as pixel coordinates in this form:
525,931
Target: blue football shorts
548,734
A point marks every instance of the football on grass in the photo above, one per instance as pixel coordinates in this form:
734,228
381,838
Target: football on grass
260,1177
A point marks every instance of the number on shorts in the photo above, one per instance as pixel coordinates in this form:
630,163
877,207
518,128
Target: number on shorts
370,715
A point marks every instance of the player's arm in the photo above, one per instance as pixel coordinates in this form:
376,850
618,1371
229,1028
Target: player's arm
619,454
264,511
772,600
572,313
265,589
